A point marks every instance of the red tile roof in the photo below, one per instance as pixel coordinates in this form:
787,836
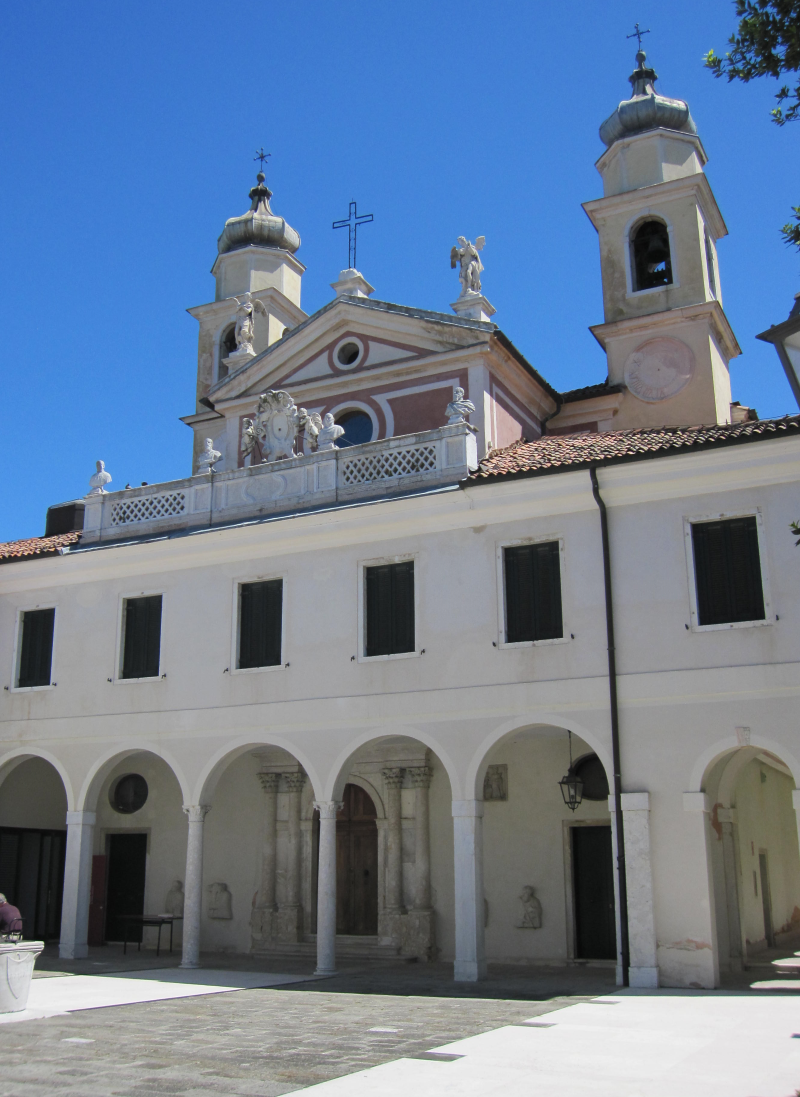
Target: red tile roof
588,391
551,453
37,546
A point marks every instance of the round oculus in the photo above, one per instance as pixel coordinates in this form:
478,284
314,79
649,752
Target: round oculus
129,794
348,353
659,369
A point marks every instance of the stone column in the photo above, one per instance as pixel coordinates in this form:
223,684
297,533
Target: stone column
262,915
77,885
796,805
193,886
393,781
326,887
470,961
693,881
730,869
420,930
643,971
290,914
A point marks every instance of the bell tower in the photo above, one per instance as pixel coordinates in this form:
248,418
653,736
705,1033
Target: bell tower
665,333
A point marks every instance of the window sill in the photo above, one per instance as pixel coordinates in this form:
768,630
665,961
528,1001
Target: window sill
257,670
127,681
503,645
653,289
384,658
730,625
31,689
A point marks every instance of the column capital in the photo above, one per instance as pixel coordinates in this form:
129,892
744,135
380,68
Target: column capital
420,776
81,818
269,781
328,809
393,777
196,812
294,781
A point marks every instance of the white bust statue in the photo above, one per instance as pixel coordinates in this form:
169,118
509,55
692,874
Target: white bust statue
98,482
458,409
173,904
326,439
208,458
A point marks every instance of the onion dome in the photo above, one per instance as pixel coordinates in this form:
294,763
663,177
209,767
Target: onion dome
259,226
646,109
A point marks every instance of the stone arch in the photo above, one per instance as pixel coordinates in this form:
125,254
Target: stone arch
704,762
206,783
14,758
102,767
372,790
476,770
336,777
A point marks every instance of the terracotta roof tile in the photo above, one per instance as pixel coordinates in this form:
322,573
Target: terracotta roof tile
37,546
551,453
588,391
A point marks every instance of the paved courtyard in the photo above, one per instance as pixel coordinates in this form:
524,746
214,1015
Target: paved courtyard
381,1025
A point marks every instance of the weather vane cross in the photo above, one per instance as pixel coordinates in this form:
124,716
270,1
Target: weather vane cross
264,156
638,35
351,223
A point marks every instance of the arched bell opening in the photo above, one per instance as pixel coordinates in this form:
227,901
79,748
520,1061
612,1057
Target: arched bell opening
651,259
548,850
754,855
33,834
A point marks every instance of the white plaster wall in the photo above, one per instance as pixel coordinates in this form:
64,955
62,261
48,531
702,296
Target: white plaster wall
33,796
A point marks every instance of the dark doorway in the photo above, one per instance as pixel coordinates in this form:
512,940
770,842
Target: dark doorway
357,864
766,899
32,878
127,860
593,888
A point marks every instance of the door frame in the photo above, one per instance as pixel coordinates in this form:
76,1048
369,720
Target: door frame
106,844
571,925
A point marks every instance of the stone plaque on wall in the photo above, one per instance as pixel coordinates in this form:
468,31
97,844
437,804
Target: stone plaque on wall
495,783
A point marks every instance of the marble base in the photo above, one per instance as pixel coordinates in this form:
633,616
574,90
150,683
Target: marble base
473,306
287,924
420,936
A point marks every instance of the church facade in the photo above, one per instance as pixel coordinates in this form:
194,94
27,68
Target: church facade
426,658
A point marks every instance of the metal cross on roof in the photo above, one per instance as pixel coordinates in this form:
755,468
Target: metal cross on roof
262,156
351,223
638,35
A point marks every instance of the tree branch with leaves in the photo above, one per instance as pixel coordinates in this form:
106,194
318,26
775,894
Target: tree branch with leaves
767,43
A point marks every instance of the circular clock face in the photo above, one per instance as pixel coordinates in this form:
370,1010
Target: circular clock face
658,369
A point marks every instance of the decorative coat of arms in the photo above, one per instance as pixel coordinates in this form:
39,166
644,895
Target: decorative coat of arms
275,426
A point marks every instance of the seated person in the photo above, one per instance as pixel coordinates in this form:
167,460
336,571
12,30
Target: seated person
10,917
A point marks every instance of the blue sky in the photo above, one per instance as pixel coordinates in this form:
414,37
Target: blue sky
128,138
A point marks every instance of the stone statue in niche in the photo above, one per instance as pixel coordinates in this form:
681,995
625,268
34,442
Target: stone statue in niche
458,409
245,325
329,434
219,904
465,256
173,904
495,783
531,909
97,483
208,458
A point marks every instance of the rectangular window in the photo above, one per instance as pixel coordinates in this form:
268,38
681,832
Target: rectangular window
141,631
36,647
260,621
727,569
533,592
390,608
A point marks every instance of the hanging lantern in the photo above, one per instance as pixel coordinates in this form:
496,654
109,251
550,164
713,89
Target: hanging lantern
571,785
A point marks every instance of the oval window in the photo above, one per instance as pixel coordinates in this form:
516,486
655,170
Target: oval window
357,428
348,353
129,794
592,772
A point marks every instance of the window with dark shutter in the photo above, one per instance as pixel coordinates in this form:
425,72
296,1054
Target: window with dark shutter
141,652
533,592
36,648
390,608
727,569
260,613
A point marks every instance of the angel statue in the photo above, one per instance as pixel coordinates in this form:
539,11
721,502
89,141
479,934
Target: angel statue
466,254
311,425
98,482
245,323
458,409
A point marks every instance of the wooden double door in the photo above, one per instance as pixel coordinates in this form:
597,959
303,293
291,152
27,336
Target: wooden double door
593,891
357,864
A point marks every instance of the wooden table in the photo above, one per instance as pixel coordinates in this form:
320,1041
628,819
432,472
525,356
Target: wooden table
149,920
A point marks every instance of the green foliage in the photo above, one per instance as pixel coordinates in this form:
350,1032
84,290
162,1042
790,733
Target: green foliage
791,232
795,528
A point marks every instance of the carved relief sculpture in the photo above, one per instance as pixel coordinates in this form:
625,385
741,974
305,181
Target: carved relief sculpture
465,256
245,325
531,909
458,409
274,427
208,458
495,783
98,482
173,904
329,433
219,903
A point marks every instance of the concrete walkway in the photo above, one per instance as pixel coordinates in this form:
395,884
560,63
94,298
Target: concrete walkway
632,1044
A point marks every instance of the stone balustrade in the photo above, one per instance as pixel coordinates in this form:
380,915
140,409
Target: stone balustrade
390,466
